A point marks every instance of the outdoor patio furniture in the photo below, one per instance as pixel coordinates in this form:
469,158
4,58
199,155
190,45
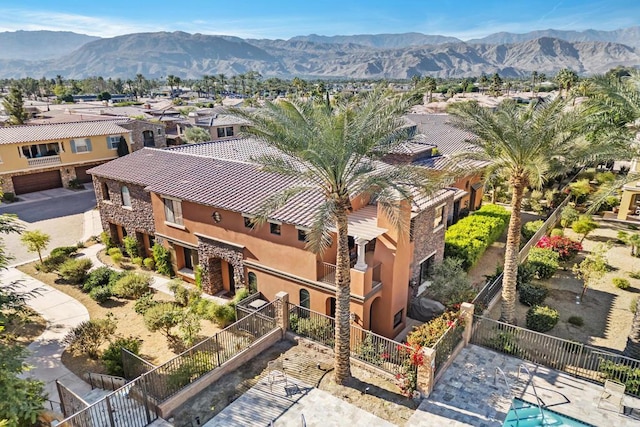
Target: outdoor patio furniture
276,374
612,395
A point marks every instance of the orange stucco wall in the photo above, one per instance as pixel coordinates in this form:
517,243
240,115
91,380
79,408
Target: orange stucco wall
465,183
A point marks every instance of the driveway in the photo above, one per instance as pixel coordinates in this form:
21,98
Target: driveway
59,213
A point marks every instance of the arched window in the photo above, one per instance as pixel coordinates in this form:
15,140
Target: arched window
126,197
305,298
253,283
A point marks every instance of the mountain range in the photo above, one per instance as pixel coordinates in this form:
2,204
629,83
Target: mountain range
46,53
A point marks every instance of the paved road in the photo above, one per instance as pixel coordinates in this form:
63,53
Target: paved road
60,216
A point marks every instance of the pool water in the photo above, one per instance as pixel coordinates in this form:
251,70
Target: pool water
529,416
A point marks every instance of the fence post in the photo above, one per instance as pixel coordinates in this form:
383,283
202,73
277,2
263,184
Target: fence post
282,311
427,372
466,312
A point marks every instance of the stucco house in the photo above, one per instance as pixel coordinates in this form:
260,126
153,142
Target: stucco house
198,200
44,156
629,209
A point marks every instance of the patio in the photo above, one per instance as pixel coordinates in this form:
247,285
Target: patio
469,395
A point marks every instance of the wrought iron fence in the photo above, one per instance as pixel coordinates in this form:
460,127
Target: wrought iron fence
328,273
105,382
371,348
575,358
447,343
133,365
488,293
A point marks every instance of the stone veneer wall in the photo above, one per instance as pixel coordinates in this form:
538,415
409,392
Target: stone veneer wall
208,251
426,241
138,126
139,218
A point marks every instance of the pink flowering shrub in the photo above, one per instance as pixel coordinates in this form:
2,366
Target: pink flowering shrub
563,246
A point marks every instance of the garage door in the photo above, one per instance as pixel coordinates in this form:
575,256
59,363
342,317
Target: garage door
37,182
82,175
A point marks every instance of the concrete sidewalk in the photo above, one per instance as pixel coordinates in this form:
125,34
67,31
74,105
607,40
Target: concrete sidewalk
62,313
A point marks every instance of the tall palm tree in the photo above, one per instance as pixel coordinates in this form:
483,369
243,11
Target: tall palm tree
334,152
534,77
566,78
527,145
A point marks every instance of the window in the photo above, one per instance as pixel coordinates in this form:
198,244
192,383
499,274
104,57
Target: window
248,223
305,299
126,197
426,267
80,145
253,283
227,131
147,137
173,211
113,141
397,318
105,191
438,217
190,258
302,235
275,228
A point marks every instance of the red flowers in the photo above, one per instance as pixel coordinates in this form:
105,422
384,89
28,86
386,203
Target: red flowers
563,246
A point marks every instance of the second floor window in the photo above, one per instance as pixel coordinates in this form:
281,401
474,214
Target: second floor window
173,211
126,197
80,145
113,141
226,131
438,217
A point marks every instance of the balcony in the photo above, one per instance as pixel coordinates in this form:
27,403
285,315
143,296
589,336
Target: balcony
37,162
362,282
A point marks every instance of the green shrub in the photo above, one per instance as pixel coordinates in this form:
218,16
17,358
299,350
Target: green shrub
106,240
317,329
130,246
190,368
181,294
9,197
576,321
620,372
634,274
568,216
557,232
64,250
112,356
144,303
450,284
52,263
74,271
149,264
205,308
224,314
132,285
504,342
101,294
621,283
89,335
470,237
241,294
198,274
98,277
580,190
533,294
428,334
542,318
118,258
530,228
544,261
604,177
137,261
633,306
526,273
162,260
162,317
114,251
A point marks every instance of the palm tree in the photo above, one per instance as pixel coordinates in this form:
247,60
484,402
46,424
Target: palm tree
333,151
526,145
566,79
534,76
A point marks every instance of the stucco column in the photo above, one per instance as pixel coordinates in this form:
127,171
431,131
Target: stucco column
427,372
466,312
282,311
361,263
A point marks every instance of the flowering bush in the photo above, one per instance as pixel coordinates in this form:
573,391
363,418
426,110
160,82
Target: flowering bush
407,378
428,334
563,246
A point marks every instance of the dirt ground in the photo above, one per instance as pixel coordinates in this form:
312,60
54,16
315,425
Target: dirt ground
301,360
24,329
605,308
129,323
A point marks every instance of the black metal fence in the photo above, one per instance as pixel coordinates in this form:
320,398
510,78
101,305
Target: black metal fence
575,358
366,346
447,343
133,365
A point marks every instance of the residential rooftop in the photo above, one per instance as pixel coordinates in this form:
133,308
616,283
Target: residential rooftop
48,132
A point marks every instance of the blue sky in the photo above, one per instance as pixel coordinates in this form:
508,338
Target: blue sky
283,19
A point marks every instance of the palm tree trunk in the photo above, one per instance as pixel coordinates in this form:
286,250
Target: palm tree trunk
342,348
511,254
633,341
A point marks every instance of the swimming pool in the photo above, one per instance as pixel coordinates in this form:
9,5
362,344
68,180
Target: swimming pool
527,414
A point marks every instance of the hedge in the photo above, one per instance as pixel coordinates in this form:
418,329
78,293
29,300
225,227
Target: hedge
544,261
471,236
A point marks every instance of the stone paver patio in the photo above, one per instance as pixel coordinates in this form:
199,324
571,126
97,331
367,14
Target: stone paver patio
263,404
467,395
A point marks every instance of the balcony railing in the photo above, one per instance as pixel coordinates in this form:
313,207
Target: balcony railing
44,161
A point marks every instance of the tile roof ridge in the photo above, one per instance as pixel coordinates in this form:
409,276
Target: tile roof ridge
173,150
25,126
